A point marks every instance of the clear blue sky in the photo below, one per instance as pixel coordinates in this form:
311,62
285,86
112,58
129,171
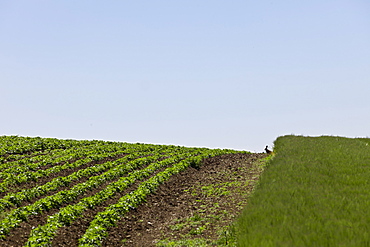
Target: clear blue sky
219,74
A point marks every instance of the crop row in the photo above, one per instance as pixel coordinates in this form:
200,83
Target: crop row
30,171
40,158
16,216
19,145
42,235
15,199
54,158
34,175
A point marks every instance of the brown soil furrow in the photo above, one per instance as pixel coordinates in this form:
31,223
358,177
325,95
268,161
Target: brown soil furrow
151,221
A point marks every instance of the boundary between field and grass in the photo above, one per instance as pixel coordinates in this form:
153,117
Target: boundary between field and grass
236,187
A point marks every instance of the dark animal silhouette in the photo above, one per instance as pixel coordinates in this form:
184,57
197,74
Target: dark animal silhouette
267,150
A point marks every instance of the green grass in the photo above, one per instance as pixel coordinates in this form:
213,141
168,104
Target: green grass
315,192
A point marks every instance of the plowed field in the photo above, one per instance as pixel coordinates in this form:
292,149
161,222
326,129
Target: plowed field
90,193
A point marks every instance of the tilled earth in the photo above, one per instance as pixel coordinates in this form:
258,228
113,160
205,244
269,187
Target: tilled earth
209,197
201,202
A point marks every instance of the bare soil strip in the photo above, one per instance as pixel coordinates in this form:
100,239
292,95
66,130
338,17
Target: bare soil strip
197,203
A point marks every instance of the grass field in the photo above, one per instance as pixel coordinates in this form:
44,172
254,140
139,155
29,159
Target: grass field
314,192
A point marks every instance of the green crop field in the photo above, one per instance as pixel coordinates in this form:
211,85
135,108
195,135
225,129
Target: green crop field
314,192
65,178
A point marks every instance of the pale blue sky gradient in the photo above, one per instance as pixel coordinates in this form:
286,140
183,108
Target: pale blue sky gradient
218,74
